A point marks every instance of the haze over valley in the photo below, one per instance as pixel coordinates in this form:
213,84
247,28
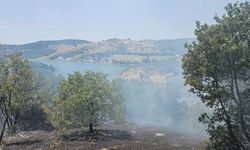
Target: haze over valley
125,75
150,71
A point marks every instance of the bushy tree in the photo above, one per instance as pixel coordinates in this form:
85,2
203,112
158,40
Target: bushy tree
217,67
16,89
87,100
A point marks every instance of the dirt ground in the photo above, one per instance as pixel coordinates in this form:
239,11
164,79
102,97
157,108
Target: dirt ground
109,137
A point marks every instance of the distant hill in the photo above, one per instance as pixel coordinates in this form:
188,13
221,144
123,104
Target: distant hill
123,51
38,49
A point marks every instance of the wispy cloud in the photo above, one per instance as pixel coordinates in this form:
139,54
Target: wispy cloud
2,21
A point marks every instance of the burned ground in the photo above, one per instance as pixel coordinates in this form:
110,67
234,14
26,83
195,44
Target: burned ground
109,137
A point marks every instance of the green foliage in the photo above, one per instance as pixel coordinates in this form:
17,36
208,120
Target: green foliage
87,99
21,97
17,88
47,81
217,69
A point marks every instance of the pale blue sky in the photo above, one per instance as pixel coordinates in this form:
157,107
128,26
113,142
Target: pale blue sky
23,21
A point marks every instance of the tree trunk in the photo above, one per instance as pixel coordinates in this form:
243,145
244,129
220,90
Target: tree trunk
2,132
241,109
91,128
228,119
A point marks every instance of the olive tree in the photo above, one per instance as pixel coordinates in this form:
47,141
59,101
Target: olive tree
217,67
87,100
17,88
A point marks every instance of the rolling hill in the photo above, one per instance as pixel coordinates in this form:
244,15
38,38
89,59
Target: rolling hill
121,51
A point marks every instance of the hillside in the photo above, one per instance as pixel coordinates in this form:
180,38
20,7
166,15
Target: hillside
121,51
